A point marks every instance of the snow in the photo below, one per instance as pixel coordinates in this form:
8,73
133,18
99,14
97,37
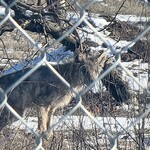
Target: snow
53,56
141,74
132,18
59,54
2,12
116,124
100,22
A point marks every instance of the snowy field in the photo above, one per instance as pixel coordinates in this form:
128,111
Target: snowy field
114,125
134,66
59,56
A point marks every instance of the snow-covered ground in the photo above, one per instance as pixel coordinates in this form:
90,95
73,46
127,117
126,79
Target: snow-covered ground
139,71
132,18
59,54
54,57
111,124
136,67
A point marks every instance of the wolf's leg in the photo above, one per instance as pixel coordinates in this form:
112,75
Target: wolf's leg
42,119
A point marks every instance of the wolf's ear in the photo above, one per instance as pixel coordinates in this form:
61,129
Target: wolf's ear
95,55
79,56
90,55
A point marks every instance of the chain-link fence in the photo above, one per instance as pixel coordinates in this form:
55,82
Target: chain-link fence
112,138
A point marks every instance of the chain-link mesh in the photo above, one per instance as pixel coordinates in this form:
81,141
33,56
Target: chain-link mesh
113,138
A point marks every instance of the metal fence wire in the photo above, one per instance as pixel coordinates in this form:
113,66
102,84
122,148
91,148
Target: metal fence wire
112,138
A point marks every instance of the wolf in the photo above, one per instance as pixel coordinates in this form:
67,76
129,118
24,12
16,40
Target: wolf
47,91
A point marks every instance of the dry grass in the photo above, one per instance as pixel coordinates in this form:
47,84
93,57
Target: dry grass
110,7
19,139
